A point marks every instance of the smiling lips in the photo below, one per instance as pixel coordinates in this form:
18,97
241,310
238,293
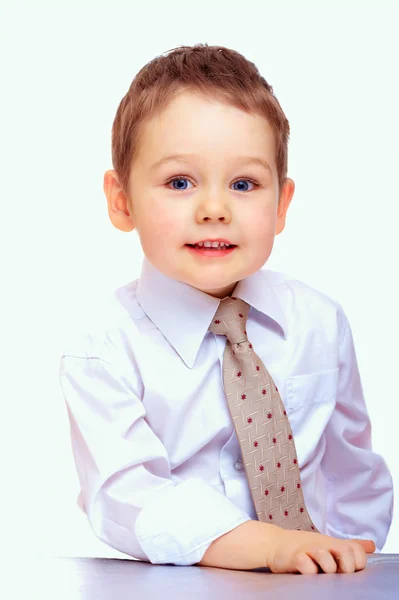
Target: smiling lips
211,251
222,244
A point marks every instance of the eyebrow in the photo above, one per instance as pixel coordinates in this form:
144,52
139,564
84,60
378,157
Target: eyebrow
248,160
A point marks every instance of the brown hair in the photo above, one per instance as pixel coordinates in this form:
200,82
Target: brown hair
214,71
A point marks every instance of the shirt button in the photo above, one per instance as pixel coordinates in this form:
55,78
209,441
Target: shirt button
239,465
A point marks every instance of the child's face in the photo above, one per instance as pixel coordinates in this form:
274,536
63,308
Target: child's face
205,202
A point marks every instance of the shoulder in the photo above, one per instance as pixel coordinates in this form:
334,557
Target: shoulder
105,325
299,299
284,283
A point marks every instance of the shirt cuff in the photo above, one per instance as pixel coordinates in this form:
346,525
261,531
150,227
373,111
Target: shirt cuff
180,525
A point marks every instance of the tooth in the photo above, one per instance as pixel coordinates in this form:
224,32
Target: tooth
207,244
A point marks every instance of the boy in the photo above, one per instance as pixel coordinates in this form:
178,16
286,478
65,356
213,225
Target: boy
199,149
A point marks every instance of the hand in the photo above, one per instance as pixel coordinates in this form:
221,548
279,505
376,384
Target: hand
294,551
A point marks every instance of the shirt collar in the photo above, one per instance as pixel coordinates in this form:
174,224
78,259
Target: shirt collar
183,313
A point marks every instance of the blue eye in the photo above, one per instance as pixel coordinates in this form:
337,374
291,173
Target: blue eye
182,179
246,181
179,179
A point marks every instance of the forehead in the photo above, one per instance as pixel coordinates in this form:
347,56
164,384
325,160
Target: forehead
197,109
192,123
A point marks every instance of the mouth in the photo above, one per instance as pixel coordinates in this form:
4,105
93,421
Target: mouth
212,252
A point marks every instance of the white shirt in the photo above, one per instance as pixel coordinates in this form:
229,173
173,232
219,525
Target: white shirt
155,449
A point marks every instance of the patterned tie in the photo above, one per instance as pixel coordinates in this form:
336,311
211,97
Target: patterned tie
261,423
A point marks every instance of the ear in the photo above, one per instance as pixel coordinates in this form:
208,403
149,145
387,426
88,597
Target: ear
118,205
286,194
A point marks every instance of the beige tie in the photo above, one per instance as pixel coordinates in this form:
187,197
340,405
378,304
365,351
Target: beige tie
261,424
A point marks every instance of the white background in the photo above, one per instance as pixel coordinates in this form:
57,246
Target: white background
65,68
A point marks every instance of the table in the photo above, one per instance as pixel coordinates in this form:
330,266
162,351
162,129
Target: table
123,579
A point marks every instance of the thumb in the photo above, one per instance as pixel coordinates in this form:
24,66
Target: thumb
368,545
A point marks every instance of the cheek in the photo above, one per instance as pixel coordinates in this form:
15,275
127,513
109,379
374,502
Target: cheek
161,222
261,227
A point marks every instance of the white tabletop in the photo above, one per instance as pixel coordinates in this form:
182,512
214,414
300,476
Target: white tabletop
120,579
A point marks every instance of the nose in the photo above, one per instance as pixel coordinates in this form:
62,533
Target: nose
213,208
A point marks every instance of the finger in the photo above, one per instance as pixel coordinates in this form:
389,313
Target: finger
360,557
325,559
345,558
305,565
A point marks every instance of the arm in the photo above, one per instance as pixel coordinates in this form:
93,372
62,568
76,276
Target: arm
359,484
130,500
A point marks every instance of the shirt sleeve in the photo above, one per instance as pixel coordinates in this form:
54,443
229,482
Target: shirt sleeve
130,499
359,483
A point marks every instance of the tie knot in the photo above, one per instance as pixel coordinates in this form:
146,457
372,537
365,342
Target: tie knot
231,319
